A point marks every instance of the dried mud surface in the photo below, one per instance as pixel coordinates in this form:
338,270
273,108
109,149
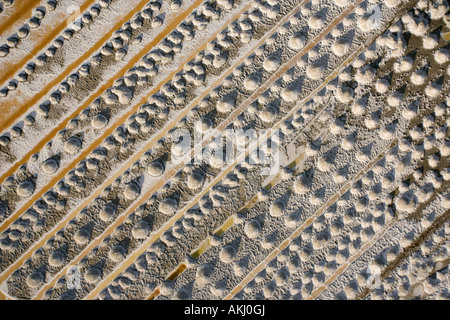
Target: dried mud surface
224,149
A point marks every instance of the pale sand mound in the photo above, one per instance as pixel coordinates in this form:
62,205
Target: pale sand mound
271,63
382,85
419,77
204,125
252,228
317,21
57,259
35,279
433,90
442,55
340,47
404,64
82,236
117,253
132,191
155,169
204,274
99,121
227,253
315,71
365,75
168,206
218,160
277,208
290,93
93,275
124,94
395,99
359,106
303,182
25,189
108,212
344,94
430,41
227,103
406,202
268,114
252,82
445,148
141,230
73,145
392,3
195,180
50,166
297,42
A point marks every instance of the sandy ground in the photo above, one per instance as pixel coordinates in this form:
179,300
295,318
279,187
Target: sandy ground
224,149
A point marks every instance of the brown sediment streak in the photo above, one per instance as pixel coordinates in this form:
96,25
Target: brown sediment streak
225,226
154,294
62,125
177,272
23,9
308,223
132,160
40,43
220,127
204,245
